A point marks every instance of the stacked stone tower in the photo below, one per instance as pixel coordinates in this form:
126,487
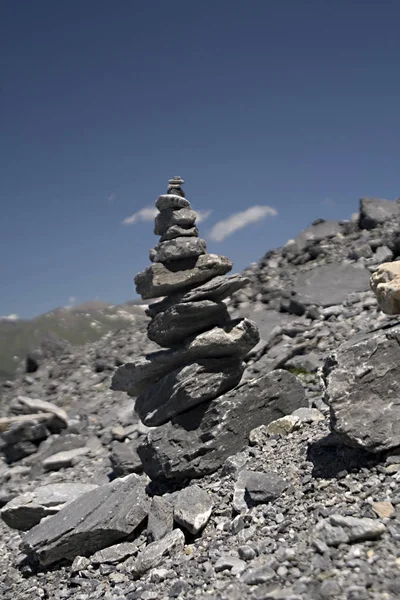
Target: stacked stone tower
204,348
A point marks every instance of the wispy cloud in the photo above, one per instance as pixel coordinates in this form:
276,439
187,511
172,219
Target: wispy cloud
71,302
11,317
149,214
238,220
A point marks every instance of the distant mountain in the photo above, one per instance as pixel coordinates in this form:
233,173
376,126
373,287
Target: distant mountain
78,325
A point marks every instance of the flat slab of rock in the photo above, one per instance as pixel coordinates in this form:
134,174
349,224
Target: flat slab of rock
153,554
199,441
362,379
115,554
332,283
171,201
374,211
92,522
169,216
178,249
65,459
192,508
161,280
256,487
339,529
182,320
22,405
161,518
27,510
385,283
233,341
217,290
187,387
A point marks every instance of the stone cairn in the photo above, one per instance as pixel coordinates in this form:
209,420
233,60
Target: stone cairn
204,348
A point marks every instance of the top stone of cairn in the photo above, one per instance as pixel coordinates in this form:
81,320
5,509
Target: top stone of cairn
175,186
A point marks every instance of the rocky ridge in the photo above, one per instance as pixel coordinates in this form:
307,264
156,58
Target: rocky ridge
307,509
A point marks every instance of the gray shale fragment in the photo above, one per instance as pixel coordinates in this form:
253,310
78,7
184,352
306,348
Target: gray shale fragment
178,249
161,518
192,508
91,522
153,554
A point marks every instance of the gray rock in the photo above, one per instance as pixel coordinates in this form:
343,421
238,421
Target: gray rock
254,487
187,387
166,218
178,249
27,510
362,390
199,441
332,283
170,201
115,554
124,458
192,508
62,460
22,405
153,554
91,522
182,320
230,563
339,529
233,341
374,211
217,289
161,518
383,254
160,280
176,231
317,232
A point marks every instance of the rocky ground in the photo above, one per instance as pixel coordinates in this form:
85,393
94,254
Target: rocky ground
297,514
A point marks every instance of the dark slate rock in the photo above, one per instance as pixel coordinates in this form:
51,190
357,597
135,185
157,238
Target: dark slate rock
262,487
180,321
217,289
176,231
92,522
178,249
161,280
153,554
187,387
115,554
374,211
362,389
168,217
192,508
234,341
331,283
170,201
161,518
198,441
124,458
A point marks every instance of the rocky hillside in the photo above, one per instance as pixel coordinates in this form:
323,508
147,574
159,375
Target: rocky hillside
307,509
76,326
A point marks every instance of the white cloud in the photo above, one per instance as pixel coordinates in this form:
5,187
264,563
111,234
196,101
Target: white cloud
71,302
145,214
11,317
149,214
238,220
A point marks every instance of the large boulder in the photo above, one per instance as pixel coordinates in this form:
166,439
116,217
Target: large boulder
362,379
385,283
374,211
198,441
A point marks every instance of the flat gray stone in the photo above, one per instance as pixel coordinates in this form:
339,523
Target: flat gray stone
115,554
255,487
171,201
22,405
317,232
161,280
92,522
65,459
177,231
161,518
192,508
166,218
199,441
180,321
27,510
362,379
178,249
374,211
233,341
154,553
187,387
217,289
332,283
339,529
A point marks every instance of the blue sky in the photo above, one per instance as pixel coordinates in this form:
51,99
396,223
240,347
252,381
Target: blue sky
288,104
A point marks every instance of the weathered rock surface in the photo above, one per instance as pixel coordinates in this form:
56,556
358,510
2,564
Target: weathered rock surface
152,555
171,201
187,387
254,487
182,320
124,458
161,518
362,379
91,522
198,441
27,510
217,290
178,249
64,459
168,217
340,529
192,508
161,280
385,283
374,211
22,405
176,231
331,284
233,341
